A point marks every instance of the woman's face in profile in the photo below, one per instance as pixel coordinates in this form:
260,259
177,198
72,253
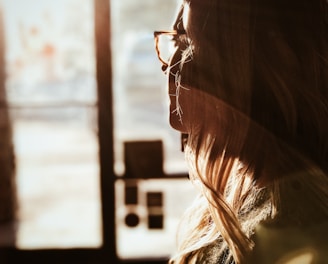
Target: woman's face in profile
179,94
188,103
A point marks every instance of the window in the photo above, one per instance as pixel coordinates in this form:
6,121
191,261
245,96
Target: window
146,191
51,94
79,111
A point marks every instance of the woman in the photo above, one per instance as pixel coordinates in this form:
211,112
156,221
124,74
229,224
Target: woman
248,84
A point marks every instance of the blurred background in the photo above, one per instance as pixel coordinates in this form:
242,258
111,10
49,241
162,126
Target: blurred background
51,182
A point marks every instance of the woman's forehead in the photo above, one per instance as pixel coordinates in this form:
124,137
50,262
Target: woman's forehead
194,10
181,20
185,15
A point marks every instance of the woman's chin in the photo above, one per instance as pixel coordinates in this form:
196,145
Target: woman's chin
177,123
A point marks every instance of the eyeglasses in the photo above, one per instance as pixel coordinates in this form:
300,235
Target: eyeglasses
165,42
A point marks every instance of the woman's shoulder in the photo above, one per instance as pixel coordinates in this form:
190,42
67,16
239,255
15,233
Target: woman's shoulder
298,233
275,243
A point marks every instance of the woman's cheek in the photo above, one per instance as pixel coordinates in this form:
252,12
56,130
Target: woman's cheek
178,109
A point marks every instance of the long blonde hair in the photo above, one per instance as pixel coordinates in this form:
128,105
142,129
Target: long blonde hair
261,70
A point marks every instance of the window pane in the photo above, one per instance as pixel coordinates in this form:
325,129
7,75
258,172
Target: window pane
51,91
140,93
146,229
148,210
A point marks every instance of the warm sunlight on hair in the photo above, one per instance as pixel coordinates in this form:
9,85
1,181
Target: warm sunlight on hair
304,256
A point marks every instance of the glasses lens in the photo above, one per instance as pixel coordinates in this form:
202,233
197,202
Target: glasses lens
166,47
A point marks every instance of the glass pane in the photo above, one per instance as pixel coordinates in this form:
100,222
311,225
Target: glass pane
148,228
148,210
51,91
140,93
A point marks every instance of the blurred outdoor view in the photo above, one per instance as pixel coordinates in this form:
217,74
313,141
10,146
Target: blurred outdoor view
51,92
50,84
141,96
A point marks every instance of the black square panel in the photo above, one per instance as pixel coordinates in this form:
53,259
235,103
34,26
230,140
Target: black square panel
143,159
155,221
154,199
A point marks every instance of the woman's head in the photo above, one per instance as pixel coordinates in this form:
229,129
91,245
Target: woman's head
253,69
